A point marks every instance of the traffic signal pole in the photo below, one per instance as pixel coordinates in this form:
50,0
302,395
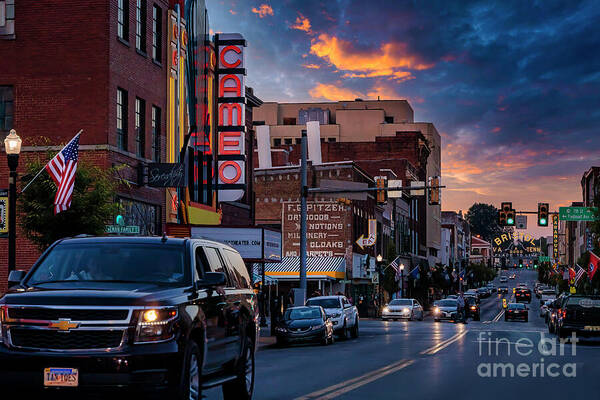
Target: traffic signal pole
303,217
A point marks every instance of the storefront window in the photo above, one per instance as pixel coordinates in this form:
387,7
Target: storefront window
145,216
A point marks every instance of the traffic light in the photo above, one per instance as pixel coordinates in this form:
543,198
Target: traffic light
520,263
433,192
506,215
543,214
382,195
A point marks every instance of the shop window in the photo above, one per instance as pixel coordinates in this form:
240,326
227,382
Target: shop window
144,215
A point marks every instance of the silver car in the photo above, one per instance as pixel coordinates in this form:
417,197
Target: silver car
403,309
445,309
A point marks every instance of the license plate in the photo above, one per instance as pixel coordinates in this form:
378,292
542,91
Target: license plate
592,328
61,377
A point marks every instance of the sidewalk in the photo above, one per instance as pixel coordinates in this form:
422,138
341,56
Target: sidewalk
265,339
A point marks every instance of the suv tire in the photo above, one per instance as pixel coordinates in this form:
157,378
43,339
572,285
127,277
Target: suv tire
354,330
242,387
344,334
190,385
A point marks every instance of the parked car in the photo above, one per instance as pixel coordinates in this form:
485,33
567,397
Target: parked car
516,311
472,308
548,294
144,313
403,309
343,315
579,314
304,324
445,309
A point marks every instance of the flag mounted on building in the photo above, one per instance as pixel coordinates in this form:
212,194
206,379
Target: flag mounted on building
579,273
396,266
415,273
593,267
62,170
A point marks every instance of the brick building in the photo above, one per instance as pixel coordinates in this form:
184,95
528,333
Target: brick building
96,65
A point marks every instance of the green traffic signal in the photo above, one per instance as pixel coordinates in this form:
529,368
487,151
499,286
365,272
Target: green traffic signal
543,222
510,221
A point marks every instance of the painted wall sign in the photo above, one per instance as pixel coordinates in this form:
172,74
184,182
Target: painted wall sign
231,116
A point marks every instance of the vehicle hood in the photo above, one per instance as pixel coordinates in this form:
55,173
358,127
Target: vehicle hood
447,309
399,308
331,311
115,295
302,323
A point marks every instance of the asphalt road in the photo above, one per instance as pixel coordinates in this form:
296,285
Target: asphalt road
489,359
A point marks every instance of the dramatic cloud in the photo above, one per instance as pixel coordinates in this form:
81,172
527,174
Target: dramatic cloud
311,66
333,92
390,59
302,24
263,10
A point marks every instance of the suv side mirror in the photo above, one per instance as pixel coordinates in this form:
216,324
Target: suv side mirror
213,279
15,277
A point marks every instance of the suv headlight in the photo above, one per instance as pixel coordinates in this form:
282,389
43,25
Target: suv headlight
156,325
335,315
2,311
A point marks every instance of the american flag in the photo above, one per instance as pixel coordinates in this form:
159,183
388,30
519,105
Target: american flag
580,272
396,266
62,169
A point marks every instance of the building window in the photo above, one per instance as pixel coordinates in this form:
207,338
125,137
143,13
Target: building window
123,19
298,140
7,109
389,120
140,25
140,127
122,119
277,142
156,133
289,121
157,33
145,216
331,140
288,141
7,19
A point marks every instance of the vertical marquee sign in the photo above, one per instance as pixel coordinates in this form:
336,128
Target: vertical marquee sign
231,116
556,253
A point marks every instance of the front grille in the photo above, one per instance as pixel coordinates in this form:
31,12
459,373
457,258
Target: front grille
74,340
53,314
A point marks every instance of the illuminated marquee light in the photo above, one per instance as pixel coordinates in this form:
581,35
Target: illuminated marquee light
231,129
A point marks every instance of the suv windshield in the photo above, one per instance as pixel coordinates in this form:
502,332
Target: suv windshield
302,313
110,262
400,303
325,303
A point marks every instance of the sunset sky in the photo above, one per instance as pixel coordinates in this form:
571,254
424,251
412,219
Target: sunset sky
513,87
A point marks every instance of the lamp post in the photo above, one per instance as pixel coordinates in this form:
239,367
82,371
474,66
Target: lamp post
380,276
402,279
12,146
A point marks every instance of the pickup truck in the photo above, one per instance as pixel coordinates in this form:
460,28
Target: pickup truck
144,314
579,314
343,315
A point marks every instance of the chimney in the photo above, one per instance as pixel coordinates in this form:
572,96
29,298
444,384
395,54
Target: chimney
263,141
313,132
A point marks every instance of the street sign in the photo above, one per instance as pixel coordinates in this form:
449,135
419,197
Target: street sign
123,230
577,213
395,194
521,222
418,184
375,279
544,258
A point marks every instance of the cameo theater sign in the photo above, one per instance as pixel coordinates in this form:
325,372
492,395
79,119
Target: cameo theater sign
231,128
327,233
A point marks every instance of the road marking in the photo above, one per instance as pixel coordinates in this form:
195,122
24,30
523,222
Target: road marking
339,389
497,317
441,346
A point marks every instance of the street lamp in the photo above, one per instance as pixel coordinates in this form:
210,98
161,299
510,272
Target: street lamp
12,146
402,278
379,258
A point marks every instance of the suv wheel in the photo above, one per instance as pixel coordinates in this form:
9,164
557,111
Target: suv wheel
354,330
242,386
190,387
344,332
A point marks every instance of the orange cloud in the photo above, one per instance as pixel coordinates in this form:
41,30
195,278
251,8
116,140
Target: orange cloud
496,129
263,10
302,24
390,60
333,92
382,92
312,66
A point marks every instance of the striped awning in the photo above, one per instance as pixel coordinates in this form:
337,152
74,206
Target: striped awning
257,277
332,267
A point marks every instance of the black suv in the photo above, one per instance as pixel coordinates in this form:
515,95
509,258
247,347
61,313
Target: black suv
579,314
138,313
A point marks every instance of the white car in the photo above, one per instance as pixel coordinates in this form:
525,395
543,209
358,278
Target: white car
548,294
343,315
545,307
403,308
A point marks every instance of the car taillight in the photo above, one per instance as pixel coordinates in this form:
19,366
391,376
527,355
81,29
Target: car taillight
473,308
564,313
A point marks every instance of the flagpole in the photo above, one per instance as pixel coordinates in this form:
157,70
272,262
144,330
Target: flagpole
44,167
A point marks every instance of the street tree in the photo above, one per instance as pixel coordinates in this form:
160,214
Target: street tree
93,204
483,219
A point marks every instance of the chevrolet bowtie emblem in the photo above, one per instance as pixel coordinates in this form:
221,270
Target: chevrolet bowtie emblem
63,325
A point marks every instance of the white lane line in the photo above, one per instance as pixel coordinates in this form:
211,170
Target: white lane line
440,346
354,383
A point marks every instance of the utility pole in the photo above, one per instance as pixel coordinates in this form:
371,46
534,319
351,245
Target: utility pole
303,217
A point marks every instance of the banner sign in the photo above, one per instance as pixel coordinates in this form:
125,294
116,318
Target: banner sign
231,116
4,212
167,175
256,244
577,213
555,236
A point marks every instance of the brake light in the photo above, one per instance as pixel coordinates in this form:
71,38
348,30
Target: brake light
473,308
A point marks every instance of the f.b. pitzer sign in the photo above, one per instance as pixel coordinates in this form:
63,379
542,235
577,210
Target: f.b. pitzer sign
167,175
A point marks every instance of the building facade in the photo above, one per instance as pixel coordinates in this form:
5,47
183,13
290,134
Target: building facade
457,245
